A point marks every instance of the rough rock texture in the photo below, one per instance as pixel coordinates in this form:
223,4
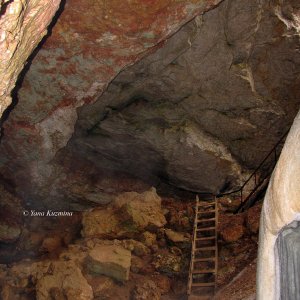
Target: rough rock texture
252,218
22,26
197,113
146,290
112,261
130,214
64,280
10,216
168,263
209,104
58,279
91,42
231,227
176,237
281,207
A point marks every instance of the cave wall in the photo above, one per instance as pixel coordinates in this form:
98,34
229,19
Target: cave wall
91,42
203,109
200,110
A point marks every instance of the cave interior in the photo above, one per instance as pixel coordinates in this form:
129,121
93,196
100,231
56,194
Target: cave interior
121,116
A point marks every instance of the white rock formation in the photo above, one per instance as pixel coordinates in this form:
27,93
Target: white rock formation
23,23
281,207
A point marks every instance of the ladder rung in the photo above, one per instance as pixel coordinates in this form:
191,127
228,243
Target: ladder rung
206,211
205,238
206,204
204,271
206,220
205,248
206,228
203,284
204,259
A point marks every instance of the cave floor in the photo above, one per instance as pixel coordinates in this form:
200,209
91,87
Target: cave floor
165,262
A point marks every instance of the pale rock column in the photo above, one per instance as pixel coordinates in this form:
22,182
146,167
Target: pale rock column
281,207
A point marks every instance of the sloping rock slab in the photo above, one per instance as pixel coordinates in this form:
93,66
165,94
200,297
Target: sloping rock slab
110,260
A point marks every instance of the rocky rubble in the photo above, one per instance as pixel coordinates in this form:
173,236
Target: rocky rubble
149,262
95,267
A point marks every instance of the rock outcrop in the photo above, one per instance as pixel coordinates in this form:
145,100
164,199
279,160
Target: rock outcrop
192,113
90,44
129,215
22,26
221,89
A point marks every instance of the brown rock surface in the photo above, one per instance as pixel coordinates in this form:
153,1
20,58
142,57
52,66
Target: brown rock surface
146,290
130,214
63,279
231,227
10,216
253,218
110,260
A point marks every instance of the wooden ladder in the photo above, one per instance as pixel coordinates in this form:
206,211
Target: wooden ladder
204,255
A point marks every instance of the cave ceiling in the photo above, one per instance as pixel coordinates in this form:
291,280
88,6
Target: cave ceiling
198,108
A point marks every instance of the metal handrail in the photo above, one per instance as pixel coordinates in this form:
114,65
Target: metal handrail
255,173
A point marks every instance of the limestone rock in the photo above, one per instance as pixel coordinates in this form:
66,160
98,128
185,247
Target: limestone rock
101,285
163,283
176,237
137,248
51,244
110,260
22,26
232,227
281,206
63,279
148,238
170,115
137,264
100,223
167,263
130,214
179,220
146,290
90,43
140,211
253,218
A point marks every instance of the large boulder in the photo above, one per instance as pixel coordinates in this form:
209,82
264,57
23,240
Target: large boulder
140,211
130,214
110,260
64,280
100,223
176,237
